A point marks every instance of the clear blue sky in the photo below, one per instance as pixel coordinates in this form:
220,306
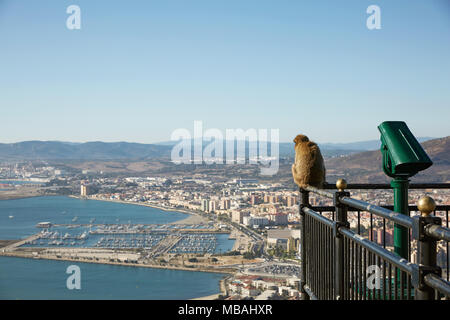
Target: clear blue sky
137,70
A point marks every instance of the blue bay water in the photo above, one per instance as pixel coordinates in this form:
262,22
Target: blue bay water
62,210
46,279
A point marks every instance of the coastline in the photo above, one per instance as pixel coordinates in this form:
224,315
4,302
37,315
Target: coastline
126,264
18,197
10,195
187,220
223,291
21,191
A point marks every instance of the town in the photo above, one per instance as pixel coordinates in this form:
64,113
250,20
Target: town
262,217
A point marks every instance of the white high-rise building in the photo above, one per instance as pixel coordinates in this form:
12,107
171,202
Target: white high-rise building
205,205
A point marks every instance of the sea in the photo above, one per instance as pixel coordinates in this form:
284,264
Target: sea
25,279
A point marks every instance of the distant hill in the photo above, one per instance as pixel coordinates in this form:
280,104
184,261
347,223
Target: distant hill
55,150
105,151
365,167
58,150
361,145
328,149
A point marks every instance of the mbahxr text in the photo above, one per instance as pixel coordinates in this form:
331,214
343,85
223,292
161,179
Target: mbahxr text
233,309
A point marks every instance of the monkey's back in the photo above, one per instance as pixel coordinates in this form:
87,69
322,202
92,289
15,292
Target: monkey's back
309,165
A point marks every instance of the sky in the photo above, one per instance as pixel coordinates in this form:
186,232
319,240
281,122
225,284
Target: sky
138,70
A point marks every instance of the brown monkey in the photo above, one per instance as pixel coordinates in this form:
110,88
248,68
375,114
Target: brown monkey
309,167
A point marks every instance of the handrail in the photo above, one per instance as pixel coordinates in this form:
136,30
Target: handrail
318,217
438,283
380,211
321,192
443,207
401,263
438,232
426,229
372,186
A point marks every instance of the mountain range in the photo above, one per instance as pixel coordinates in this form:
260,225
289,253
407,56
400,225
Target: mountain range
348,160
57,150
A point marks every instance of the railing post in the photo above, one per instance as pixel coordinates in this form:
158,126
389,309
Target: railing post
426,249
304,202
341,221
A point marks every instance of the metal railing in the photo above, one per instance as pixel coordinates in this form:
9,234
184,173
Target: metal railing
340,263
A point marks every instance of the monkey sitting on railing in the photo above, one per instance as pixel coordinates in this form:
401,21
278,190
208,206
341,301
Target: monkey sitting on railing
309,167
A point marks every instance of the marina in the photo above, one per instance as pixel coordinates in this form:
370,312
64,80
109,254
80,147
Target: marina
198,238
106,235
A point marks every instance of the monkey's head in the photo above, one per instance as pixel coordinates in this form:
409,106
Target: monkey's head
300,138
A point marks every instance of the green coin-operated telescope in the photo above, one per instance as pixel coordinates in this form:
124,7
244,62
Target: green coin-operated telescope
403,157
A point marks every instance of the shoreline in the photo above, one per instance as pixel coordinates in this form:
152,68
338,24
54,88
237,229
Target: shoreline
129,264
223,291
18,197
185,211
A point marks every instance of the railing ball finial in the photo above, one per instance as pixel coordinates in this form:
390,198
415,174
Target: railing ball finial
341,184
426,205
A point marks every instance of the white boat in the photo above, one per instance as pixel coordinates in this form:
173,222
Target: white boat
83,236
11,217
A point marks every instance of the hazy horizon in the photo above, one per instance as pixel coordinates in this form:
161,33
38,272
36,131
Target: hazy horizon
167,142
